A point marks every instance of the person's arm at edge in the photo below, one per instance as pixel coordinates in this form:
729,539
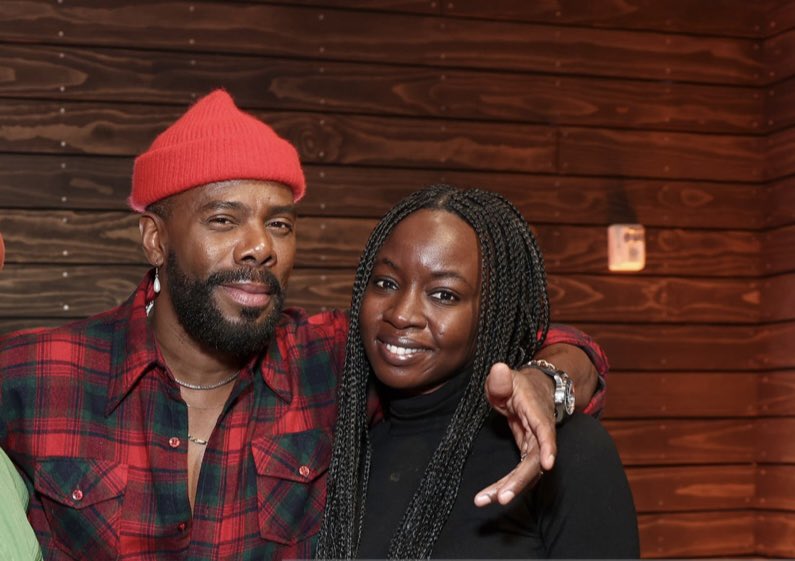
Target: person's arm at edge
524,397
577,354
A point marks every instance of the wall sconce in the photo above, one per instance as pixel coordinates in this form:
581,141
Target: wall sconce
626,247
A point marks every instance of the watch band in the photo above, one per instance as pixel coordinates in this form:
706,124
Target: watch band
563,394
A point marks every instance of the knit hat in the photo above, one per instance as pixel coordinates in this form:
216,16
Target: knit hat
213,141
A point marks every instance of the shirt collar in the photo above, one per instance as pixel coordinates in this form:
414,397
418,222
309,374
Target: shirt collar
279,363
134,350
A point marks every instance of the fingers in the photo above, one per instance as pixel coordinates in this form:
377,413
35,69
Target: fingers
499,386
543,427
523,476
532,406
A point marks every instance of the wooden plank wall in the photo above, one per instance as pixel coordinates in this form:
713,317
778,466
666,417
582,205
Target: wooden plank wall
775,473
676,114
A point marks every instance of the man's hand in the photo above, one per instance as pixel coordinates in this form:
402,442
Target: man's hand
526,400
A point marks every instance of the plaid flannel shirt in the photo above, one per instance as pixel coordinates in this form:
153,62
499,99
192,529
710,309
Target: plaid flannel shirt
96,424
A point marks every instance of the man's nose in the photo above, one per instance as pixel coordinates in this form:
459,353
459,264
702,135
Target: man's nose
256,247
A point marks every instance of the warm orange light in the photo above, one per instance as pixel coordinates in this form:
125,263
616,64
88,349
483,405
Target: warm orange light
626,247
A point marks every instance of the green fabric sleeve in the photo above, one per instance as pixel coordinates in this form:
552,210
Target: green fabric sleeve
17,540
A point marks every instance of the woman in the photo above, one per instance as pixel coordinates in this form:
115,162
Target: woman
452,281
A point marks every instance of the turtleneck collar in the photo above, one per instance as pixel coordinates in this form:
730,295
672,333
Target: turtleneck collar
421,412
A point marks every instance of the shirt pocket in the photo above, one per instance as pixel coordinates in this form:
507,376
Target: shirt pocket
291,484
82,499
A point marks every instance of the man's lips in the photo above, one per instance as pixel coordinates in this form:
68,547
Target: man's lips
248,294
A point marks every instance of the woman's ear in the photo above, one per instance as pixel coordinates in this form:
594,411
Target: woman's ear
153,238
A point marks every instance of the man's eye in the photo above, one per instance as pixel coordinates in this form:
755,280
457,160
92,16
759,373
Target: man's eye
283,225
222,220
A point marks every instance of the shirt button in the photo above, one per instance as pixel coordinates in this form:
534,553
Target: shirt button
304,471
181,526
173,442
77,495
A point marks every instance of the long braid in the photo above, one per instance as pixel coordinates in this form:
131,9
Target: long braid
513,322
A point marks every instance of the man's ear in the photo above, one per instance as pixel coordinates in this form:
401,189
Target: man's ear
153,238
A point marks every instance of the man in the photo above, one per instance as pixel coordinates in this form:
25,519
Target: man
194,421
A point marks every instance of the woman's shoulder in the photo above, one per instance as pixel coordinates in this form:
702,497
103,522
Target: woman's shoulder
585,448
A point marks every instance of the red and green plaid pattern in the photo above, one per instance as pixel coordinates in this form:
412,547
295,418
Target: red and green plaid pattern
98,428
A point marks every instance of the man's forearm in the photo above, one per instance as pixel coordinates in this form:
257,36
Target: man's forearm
577,365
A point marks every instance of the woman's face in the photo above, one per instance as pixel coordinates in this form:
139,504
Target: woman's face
420,310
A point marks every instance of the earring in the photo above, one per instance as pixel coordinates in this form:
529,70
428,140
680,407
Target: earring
156,284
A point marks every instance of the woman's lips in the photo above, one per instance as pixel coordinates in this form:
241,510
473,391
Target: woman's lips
400,353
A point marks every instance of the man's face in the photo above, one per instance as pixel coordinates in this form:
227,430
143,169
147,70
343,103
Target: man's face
231,248
420,310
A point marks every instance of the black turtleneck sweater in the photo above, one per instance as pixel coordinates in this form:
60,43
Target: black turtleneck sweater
583,508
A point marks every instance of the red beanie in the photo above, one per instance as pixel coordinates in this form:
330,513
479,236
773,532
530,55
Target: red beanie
213,141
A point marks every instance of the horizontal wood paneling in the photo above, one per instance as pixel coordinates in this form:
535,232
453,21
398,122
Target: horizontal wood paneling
777,54
102,183
681,441
369,36
702,534
775,534
780,154
72,73
691,488
362,140
780,17
696,347
775,487
74,290
33,237
721,17
655,154
774,440
682,394
776,393
653,299
779,207
128,130
410,6
777,257
779,100
778,299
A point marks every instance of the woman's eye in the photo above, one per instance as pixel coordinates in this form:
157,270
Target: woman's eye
444,296
384,284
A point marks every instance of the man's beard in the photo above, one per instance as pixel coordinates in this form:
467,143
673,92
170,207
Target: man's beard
203,321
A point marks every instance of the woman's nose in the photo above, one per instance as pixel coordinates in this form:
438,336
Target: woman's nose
406,310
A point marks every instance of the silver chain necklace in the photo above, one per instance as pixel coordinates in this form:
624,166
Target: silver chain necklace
198,441
223,382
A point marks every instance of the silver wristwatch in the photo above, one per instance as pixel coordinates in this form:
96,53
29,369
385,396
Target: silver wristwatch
564,388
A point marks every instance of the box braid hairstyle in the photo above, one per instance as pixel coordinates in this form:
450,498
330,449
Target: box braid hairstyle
513,323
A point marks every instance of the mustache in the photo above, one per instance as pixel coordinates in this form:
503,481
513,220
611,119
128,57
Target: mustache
259,276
